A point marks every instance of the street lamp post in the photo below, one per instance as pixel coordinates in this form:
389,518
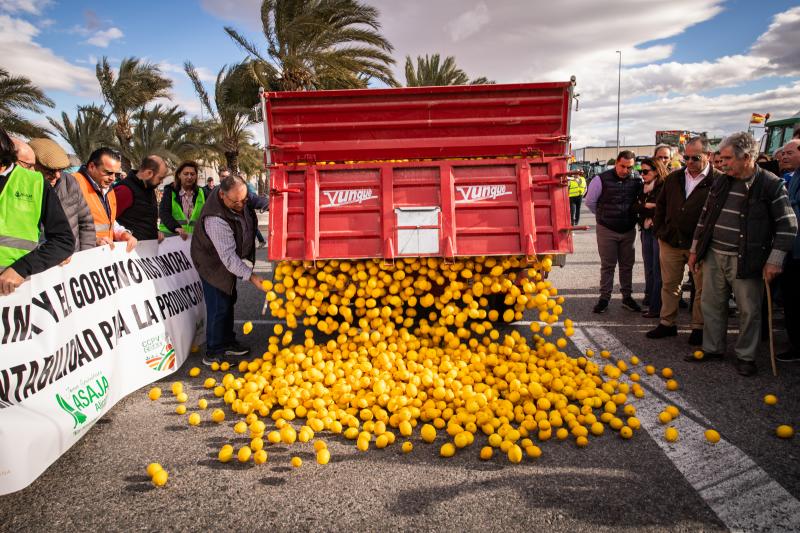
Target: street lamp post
619,93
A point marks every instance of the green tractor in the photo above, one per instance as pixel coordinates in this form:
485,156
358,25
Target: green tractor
778,132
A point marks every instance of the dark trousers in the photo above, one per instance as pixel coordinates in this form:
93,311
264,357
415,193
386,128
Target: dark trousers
575,209
219,317
652,270
260,236
790,285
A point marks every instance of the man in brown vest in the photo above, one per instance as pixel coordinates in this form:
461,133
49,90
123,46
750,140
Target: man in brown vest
223,239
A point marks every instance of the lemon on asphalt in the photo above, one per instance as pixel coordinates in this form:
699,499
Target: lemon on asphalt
154,394
296,462
784,431
712,436
671,434
160,478
194,419
247,327
152,468
225,453
244,453
769,399
260,457
194,372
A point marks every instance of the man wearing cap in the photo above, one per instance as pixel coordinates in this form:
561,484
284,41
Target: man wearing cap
137,207
28,208
51,160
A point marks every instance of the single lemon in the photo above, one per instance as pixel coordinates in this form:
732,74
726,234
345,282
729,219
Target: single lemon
160,478
769,399
448,449
194,419
666,372
784,431
182,397
225,453
712,436
177,388
154,394
671,434
202,403
180,409
672,385
260,457
218,415
407,446
247,327
244,454
323,456
296,462
672,410
428,433
152,468
626,432
194,372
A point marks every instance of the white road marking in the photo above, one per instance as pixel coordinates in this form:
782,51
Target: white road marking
740,492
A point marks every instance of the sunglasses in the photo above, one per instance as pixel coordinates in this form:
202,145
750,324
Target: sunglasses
695,158
646,171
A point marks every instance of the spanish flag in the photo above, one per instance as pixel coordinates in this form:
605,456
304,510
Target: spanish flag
757,118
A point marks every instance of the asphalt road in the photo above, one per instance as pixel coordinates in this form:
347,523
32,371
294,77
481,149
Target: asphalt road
749,481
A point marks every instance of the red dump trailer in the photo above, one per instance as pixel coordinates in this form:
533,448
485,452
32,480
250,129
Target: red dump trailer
431,171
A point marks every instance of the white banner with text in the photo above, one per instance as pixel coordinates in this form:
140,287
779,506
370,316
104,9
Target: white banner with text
76,339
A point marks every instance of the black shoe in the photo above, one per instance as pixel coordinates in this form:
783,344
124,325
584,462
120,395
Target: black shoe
662,331
682,304
706,357
236,349
646,303
696,337
601,307
631,305
746,368
788,357
650,314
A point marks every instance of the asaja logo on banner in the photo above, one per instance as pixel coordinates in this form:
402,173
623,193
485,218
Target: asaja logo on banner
159,353
77,399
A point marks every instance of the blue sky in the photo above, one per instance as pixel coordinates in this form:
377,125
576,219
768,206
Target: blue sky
694,64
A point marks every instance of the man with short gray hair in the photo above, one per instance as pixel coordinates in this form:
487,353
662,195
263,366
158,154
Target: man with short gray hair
746,228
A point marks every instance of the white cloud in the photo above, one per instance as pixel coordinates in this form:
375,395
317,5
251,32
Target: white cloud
103,38
30,7
246,12
23,56
779,43
468,23
204,73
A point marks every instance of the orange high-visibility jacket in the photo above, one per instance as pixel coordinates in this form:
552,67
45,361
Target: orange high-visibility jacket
103,224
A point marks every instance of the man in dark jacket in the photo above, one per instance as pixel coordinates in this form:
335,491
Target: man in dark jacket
677,211
745,230
611,197
51,160
222,240
790,279
137,207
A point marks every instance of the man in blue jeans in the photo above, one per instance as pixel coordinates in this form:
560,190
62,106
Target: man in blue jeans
223,239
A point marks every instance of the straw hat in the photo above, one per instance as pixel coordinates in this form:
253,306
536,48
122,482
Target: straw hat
49,154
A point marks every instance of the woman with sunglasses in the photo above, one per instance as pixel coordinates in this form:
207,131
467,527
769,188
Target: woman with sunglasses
653,173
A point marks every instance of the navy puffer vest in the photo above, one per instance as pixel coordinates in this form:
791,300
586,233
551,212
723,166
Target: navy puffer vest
615,202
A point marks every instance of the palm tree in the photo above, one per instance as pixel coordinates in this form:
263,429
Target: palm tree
91,129
319,44
432,71
130,89
234,109
18,93
160,131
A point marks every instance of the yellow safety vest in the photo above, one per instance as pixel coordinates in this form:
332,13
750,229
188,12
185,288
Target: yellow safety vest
577,186
20,212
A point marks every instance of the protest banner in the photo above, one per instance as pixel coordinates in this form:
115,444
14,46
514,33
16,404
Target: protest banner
76,339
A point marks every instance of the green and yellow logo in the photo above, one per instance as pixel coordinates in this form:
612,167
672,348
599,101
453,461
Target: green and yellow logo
159,353
82,397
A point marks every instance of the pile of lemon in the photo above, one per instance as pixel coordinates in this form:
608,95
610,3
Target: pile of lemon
422,346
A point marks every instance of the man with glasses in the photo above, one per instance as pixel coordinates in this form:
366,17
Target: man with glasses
51,160
95,179
677,212
223,239
610,197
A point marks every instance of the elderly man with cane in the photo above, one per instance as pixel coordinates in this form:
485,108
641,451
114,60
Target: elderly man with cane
745,230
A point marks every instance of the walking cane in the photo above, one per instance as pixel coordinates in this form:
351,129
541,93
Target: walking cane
771,338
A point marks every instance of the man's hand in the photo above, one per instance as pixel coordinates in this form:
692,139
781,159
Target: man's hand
9,281
102,241
66,261
182,232
256,280
694,266
771,272
160,237
132,242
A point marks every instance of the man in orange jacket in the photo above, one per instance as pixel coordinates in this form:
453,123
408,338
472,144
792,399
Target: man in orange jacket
95,179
